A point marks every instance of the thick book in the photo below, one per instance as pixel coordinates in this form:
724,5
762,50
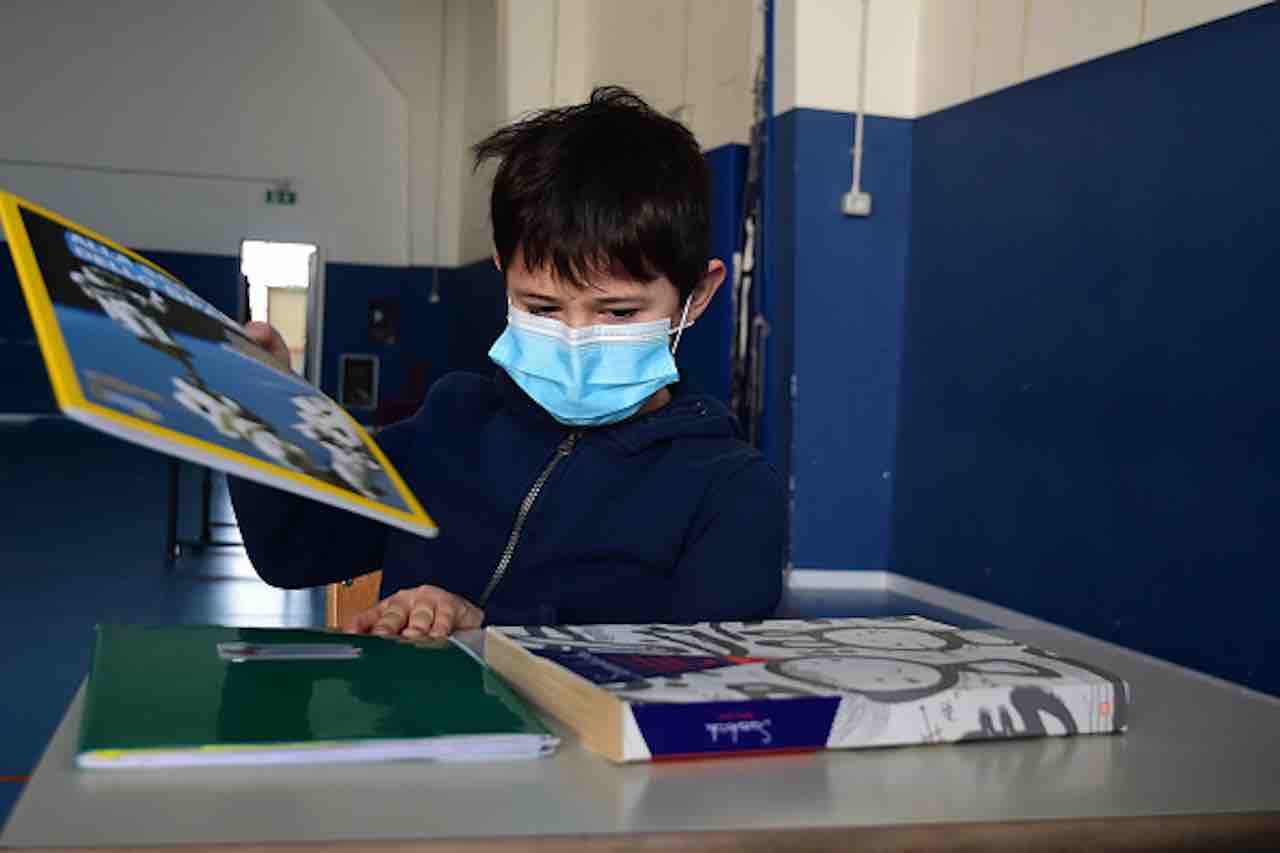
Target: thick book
204,695
133,352
649,692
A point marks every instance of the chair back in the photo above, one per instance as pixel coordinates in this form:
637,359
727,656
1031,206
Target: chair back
345,599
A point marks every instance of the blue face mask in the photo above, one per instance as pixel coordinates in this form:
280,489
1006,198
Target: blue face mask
589,376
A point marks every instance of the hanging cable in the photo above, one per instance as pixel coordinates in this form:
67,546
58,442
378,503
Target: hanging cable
855,202
750,328
745,308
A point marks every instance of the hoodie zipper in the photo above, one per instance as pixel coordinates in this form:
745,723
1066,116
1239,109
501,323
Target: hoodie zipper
526,506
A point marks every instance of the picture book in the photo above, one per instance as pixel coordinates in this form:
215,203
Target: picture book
133,352
644,692
187,696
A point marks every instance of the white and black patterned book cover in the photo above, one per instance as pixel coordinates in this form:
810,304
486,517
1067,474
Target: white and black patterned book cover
797,684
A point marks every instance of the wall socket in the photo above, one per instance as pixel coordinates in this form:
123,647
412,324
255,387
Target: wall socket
856,204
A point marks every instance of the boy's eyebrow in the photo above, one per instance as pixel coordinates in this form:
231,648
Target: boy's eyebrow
529,294
616,300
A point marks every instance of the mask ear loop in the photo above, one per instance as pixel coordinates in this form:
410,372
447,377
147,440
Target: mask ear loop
684,315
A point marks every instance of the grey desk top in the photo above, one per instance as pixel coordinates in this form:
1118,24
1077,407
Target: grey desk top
1195,747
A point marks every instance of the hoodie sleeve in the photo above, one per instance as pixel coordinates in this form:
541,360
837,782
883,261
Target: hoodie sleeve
731,568
295,542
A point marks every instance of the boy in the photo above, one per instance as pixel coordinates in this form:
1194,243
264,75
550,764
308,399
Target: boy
582,483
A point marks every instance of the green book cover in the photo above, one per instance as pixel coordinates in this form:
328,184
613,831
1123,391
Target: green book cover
181,696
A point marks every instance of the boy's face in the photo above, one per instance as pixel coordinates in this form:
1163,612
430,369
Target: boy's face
606,299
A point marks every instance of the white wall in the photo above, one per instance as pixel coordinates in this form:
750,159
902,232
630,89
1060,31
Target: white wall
969,48
194,88
405,39
526,55
472,92
692,59
442,55
925,55
816,46
720,61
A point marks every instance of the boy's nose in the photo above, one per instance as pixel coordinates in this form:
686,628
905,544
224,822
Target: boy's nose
576,317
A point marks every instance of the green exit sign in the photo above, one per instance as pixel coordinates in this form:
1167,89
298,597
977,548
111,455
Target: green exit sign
282,197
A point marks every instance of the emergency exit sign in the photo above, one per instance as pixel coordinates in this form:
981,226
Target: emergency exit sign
282,197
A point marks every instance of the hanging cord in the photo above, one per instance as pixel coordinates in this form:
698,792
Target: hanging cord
745,373
856,202
856,187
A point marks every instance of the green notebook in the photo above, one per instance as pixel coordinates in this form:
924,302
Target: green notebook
185,696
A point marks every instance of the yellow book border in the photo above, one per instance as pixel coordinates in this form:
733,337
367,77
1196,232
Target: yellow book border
71,399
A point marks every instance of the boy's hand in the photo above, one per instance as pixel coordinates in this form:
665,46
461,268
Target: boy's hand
269,339
423,611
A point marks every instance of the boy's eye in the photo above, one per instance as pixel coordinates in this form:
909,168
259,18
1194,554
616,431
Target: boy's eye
623,313
542,309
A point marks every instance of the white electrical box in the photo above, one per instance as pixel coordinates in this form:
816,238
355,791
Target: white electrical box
856,204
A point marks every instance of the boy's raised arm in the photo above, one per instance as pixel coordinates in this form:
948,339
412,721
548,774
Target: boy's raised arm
294,542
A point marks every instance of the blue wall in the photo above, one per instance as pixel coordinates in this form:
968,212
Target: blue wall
435,337
1090,414
23,380
704,350
836,292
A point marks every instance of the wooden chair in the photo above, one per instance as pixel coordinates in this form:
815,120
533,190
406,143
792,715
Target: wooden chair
347,598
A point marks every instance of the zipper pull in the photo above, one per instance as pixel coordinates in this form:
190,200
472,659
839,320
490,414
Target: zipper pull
566,446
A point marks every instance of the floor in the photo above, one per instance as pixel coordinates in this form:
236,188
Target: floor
82,542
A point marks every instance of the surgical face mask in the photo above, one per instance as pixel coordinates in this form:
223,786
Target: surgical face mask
588,376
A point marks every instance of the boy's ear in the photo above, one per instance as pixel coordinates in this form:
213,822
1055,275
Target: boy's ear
706,288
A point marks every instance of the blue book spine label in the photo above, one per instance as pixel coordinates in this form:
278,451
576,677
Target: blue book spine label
672,729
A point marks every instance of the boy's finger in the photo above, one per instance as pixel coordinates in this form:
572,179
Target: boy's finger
443,624
259,332
420,619
391,622
472,617
267,337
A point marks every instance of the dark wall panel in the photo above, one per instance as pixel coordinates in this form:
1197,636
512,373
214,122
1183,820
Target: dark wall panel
435,336
24,384
1090,422
704,357
843,278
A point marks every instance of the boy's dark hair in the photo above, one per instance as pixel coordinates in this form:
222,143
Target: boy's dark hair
609,186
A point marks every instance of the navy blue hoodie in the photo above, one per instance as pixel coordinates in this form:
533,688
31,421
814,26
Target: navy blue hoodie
665,517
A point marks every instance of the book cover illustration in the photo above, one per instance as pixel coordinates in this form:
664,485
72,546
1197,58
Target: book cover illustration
813,684
133,352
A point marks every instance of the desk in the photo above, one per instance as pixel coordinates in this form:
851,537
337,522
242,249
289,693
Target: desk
1199,769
